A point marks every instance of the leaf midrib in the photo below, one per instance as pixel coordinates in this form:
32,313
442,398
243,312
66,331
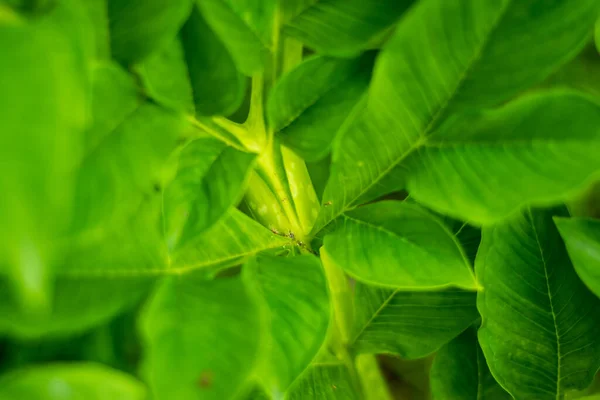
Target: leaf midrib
440,112
558,355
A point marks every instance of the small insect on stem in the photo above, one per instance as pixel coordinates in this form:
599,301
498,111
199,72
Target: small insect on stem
328,203
291,235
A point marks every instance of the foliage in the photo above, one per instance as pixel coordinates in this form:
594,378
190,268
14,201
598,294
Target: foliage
256,199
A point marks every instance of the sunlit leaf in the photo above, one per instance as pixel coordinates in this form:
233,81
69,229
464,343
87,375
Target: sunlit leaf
210,179
460,371
398,245
540,329
213,326
79,381
416,84
295,291
582,238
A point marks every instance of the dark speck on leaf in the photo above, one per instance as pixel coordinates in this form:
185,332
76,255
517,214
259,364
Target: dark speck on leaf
205,380
156,187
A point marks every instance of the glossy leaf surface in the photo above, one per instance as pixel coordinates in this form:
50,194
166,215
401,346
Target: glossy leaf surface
540,331
398,245
416,85
582,238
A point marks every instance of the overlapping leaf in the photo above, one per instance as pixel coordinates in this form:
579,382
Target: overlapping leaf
245,27
540,324
140,27
215,329
340,27
43,70
399,245
79,381
218,87
311,102
460,371
295,291
582,238
417,84
409,324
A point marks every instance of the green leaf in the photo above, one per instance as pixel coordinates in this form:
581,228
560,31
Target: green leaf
211,178
166,79
460,371
399,245
372,381
582,238
214,327
140,27
295,291
527,139
326,381
43,112
218,87
97,11
78,381
114,98
245,27
540,325
416,84
597,35
409,324
310,103
341,27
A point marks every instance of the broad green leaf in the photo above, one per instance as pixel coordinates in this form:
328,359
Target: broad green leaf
218,87
295,291
214,328
128,166
341,27
540,329
245,27
210,179
43,112
114,98
140,27
98,16
166,79
310,103
326,381
399,245
409,324
229,242
460,371
417,84
77,381
582,238
464,164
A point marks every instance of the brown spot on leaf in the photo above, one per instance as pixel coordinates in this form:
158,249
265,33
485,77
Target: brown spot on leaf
205,380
